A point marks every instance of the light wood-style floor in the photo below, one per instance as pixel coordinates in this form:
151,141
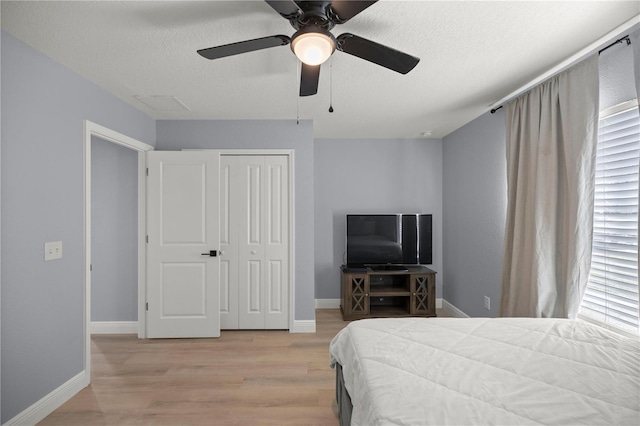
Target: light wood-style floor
242,378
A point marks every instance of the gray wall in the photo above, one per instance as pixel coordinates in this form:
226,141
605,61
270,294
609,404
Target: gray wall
44,106
372,176
474,174
475,202
114,232
263,134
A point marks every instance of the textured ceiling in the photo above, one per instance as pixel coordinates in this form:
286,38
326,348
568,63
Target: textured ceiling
472,54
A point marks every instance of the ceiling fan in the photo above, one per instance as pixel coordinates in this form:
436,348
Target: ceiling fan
313,42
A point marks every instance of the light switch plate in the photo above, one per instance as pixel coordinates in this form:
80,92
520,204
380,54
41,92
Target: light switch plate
52,250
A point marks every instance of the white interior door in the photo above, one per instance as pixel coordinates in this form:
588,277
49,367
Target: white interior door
182,227
255,242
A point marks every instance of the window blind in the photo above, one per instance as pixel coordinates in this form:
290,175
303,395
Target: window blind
611,296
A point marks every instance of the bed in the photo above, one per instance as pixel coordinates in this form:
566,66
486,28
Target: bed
457,371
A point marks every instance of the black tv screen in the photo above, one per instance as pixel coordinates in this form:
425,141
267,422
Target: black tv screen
399,239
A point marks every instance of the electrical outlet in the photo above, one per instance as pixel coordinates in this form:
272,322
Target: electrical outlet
52,250
487,303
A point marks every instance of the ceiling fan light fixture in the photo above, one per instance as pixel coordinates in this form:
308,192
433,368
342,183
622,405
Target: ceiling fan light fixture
313,47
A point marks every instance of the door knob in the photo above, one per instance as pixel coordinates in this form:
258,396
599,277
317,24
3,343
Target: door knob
212,253
253,252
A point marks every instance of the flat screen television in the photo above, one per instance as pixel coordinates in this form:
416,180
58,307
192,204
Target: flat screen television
389,239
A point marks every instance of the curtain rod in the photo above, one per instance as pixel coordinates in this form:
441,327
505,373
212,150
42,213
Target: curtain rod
588,50
620,40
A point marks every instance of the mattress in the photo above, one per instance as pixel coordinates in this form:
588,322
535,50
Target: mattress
455,371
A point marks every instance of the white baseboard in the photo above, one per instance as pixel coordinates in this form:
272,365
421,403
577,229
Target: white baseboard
438,303
303,326
327,303
51,402
457,313
114,327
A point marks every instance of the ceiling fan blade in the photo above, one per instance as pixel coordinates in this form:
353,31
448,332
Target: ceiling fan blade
345,9
376,53
287,8
309,79
244,46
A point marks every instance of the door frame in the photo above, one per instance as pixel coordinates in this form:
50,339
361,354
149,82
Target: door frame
93,129
290,154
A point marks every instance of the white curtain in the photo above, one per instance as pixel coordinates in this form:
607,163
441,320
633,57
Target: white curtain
551,150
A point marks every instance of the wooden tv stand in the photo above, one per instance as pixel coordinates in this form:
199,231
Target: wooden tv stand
369,293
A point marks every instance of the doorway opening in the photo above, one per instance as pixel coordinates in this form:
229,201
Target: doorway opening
96,131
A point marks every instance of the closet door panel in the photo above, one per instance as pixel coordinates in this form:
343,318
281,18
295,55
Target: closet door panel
254,238
277,242
228,244
250,213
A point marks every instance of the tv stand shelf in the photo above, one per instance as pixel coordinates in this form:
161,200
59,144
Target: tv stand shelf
368,293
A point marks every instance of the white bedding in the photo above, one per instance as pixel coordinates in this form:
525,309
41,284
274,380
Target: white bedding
509,371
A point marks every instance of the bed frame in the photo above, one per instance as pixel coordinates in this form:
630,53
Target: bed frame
342,399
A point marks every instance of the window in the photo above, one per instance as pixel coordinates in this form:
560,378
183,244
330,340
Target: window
611,297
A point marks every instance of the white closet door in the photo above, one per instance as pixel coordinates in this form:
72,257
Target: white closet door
229,192
276,248
183,223
251,238
255,242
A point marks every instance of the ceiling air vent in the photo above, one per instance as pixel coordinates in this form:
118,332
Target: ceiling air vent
162,103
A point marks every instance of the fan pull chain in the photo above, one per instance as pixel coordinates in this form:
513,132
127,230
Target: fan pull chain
298,71
331,84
